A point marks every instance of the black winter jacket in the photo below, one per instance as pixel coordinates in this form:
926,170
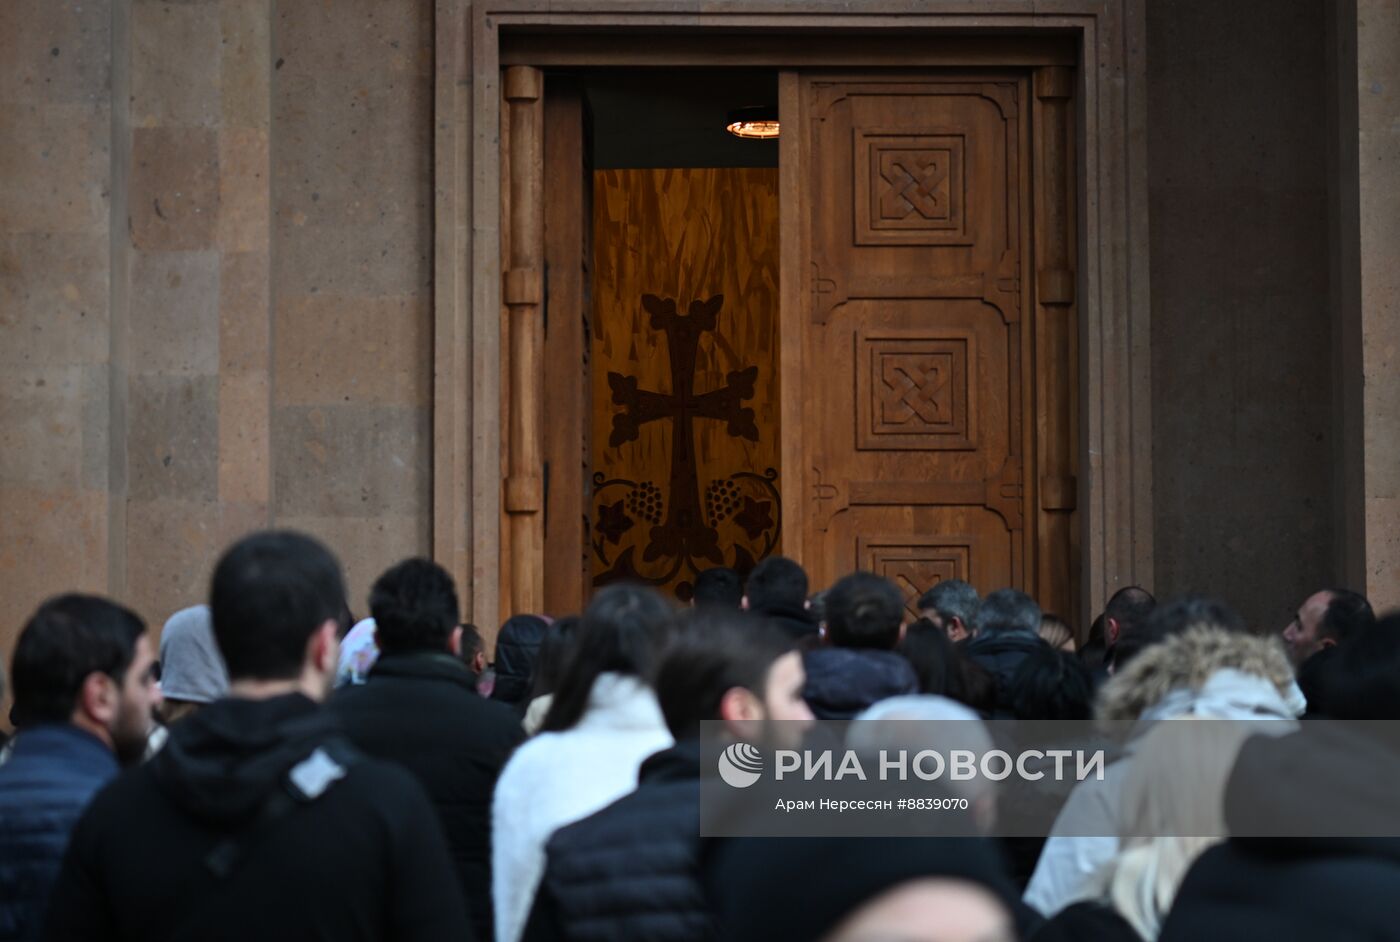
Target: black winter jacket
999,653
258,821
421,711
632,870
842,682
517,651
1322,781
52,773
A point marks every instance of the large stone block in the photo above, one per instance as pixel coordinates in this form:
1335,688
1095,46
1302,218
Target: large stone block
366,546
54,298
246,65
333,349
390,258
173,438
55,51
244,321
55,541
175,64
174,197
351,461
244,199
171,548
175,312
41,413
54,161
244,438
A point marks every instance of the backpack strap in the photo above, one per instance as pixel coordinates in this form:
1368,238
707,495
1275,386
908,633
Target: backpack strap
303,783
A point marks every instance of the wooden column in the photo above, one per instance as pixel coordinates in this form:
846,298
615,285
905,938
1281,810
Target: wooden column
522,293
1056,346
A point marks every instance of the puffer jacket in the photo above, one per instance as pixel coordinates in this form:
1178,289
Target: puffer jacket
631,871
1000,653
52,773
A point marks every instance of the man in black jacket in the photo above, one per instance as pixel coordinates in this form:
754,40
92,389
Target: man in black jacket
777,590
631,871
419,708
859,666
258,820
1006,632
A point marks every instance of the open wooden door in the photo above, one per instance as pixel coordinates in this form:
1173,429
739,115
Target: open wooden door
919,399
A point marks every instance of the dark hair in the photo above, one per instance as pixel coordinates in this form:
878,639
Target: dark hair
1007,610
1130,606
1093,652
720,587
1172,618
414,605
622,630
776,584
1348,613
864,611
1359,679
717,653
979,687
66,640
1051,684
472,643
270,593
555,650
936,662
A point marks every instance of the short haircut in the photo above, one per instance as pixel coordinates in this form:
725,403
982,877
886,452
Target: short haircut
270,593
1173,618
472,642
1007,610
864,611
952,598
718,652
1348,614
67,639
720,587
777,583
414,606
1129,606
1051,684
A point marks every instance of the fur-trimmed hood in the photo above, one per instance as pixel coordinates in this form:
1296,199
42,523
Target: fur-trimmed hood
1185,662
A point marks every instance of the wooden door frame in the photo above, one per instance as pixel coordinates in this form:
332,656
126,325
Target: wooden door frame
1114,485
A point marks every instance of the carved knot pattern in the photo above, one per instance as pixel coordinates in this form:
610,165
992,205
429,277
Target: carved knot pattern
917,385
916,182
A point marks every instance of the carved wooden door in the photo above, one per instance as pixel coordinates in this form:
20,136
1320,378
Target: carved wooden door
912,328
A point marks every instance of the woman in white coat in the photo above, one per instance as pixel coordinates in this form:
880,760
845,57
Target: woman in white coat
603,721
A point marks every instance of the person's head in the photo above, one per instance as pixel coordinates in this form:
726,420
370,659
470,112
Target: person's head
1359,679
736,669
414,606
277,598
517,658
192,671
1051,684
1172,618
719,587
555,650
864,611
1007,610
777,584
472,650
935,661
1126,610
1325,618
622,631
87,661
1057,633
951,605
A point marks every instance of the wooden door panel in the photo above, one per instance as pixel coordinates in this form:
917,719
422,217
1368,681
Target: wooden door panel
913,329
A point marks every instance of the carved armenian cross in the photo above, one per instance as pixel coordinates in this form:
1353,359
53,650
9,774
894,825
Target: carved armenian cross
684,531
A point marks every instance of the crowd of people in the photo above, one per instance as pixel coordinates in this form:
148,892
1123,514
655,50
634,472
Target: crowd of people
275,769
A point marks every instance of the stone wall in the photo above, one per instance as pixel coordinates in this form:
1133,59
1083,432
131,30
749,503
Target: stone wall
215,286
1241,371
